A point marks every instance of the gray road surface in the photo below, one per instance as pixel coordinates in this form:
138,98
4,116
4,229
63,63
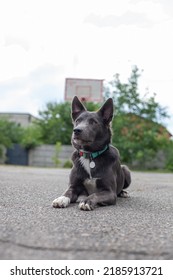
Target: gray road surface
139,227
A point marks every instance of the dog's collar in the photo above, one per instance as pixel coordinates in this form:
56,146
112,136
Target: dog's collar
93,155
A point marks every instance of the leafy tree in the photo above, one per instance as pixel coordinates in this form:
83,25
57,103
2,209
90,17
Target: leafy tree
55,123
10,133
127,98
137,131
31,136
138,139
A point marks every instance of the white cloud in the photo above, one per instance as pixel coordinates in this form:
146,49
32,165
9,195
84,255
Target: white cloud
44,41
30,93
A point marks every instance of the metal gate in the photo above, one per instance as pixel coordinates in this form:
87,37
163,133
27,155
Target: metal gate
17,155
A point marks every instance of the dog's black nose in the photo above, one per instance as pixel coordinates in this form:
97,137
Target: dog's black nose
77,131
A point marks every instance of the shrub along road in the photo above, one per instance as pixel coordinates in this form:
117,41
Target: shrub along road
139,227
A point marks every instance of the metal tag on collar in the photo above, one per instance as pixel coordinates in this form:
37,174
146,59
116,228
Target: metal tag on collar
92,164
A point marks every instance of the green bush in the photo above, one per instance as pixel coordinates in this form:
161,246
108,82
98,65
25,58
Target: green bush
68,164
31,136
55,158
169,157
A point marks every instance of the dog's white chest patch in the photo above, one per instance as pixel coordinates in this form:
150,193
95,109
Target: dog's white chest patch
86,165
90,185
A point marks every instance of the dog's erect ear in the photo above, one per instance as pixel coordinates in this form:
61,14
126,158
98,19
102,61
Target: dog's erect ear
77,108
106,111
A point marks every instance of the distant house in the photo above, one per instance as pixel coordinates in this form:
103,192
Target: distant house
22,119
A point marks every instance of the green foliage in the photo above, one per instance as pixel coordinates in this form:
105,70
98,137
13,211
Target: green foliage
138,139
127,98
136,129
91,106
31,136
169,156
2,153
55,123
10,133
68,164
56,156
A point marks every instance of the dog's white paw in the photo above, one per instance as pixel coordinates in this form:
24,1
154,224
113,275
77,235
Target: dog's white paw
124,194
85,206
61,202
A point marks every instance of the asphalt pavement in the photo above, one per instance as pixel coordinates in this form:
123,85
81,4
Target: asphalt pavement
138,227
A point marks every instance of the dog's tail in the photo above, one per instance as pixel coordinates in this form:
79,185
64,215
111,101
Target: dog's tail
127,176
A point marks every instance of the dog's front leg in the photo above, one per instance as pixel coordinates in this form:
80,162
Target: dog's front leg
65,199
101,198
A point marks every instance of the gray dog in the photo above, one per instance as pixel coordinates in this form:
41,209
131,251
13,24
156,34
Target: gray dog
97,172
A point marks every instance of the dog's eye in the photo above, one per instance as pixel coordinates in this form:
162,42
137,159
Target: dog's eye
92,121
78,121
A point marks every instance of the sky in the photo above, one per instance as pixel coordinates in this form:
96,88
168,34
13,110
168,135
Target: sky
42,42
